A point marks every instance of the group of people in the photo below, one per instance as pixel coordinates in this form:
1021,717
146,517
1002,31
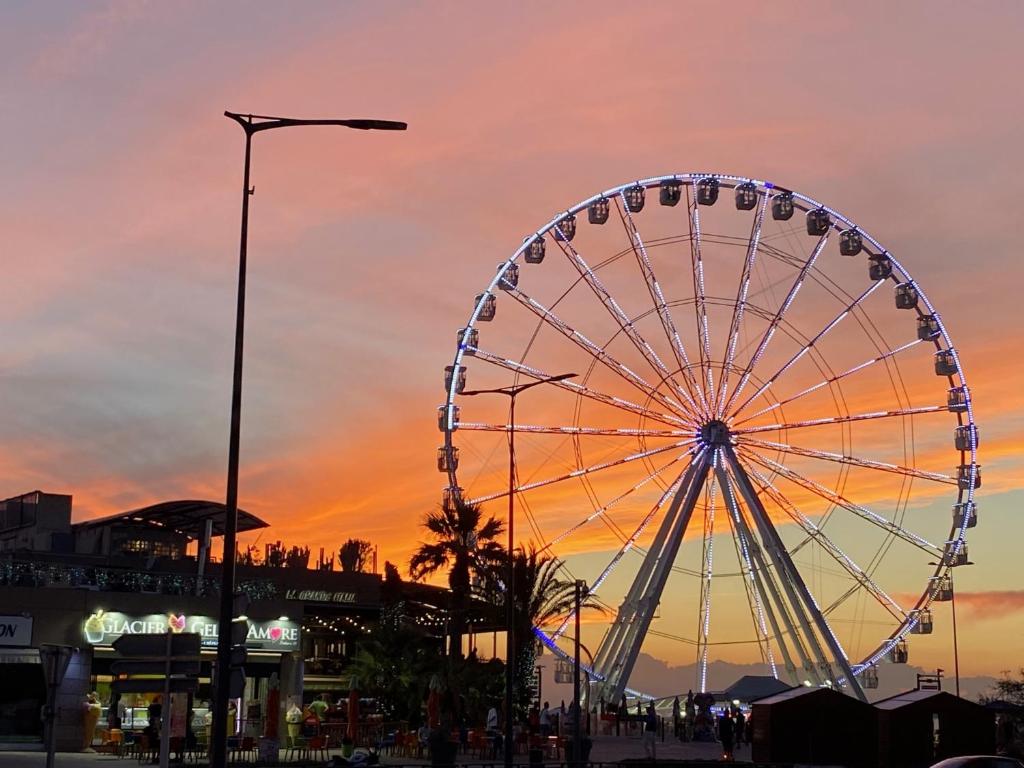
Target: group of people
734,728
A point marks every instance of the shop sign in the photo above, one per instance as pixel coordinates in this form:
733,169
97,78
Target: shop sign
103,628
319,596
16,630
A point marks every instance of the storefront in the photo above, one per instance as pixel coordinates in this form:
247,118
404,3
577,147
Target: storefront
272,664
23,692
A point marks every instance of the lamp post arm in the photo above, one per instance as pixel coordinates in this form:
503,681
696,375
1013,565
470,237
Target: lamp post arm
265,123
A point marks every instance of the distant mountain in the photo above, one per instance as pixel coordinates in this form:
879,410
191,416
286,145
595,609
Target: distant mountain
659,678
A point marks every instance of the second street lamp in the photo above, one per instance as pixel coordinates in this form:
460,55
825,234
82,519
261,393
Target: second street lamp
251,124
511,392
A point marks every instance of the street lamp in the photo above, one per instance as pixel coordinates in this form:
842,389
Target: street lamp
251,124
952,603
511,392
580,589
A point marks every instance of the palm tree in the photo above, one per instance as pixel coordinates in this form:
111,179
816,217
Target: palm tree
463,546
541,598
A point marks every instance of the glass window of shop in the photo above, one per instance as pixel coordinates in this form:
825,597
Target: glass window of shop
22,697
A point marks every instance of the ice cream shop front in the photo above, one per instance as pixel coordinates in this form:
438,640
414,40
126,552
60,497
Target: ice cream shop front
273,666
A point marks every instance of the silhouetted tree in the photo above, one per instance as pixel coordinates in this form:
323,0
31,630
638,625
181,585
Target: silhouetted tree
466,545
542,597
354,555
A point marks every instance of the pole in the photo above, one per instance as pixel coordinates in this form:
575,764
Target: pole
165,707
510,614
49,722
577,740
956,653
219,731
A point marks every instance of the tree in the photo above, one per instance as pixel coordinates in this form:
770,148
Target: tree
466,548
542,597
297,557
354,555
1007,699
1007,688
248,556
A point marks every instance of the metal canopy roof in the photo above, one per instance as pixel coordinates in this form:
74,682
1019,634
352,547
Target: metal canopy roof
187,517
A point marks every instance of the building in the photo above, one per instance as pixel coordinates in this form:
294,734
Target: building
149,570
814,726
921,727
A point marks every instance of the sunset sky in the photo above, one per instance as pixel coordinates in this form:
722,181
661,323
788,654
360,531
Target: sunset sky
119,208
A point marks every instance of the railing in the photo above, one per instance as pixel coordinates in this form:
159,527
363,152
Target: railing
17,572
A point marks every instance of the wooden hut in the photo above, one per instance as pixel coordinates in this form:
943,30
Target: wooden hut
918,728
814,726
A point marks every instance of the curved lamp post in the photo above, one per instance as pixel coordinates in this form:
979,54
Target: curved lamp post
251,124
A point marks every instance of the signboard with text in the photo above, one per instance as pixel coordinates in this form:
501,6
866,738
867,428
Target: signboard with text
16,631
103,628
319,596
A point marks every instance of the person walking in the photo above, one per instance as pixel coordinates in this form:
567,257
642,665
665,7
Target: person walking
545,720
650,735
741,723
676,717
726,733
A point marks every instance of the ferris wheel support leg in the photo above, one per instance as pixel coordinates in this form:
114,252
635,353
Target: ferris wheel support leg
765,585
627,610
816,663
621,657
791,577
612,644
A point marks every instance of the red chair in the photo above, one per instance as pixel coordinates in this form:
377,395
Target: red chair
317,744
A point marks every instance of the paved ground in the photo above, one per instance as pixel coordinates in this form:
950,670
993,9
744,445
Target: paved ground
607,749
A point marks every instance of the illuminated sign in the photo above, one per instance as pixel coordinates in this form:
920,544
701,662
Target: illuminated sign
103,628
318,596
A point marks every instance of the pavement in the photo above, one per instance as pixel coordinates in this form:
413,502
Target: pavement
606,749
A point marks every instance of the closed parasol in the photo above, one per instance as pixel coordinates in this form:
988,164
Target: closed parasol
353,709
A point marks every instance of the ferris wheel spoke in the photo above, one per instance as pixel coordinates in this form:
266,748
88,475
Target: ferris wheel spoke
582,471
630,541
853,461
700,303
549,317
658,299
741,302
830,380
898,412
708,551
753,591
800,596
621,318
775,322
765,585
840,501
583,390
809,345
858,574
588,431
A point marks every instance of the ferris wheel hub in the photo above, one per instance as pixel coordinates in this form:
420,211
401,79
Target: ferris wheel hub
715,433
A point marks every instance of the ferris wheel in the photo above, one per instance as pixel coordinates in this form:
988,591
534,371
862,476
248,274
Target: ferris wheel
758,454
